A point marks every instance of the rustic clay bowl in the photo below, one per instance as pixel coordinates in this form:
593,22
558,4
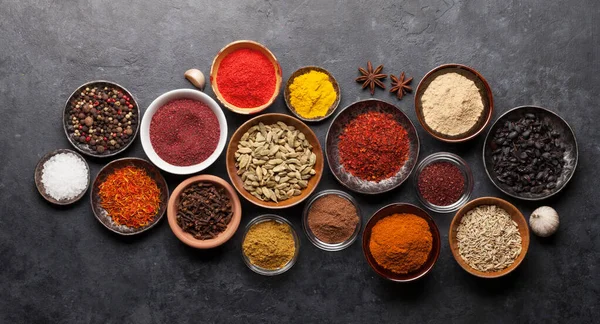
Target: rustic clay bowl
514,213
85,148
188,238
269,119
304,70
40,186
571,154
484,90
231,47
152,172
332,140
401,208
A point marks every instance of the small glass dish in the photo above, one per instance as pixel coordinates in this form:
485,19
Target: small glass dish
313,238
462,166
287,266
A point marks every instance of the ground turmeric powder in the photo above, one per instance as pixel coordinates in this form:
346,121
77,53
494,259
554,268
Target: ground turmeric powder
401,243
311,94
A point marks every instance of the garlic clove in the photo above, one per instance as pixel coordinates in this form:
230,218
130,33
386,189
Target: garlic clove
196,77
544,221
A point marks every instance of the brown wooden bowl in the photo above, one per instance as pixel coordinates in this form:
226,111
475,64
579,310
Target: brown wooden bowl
269,119
402,208
101,214
484,90
304,70
187,238
514,213
40,186
231,47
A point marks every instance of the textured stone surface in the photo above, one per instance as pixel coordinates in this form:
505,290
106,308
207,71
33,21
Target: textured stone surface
61,265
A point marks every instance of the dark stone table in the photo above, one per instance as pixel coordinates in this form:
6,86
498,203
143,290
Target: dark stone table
60,265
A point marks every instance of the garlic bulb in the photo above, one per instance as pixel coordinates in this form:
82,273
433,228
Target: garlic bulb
544,221
196,77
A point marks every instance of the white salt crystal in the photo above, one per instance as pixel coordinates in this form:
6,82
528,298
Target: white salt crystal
64,176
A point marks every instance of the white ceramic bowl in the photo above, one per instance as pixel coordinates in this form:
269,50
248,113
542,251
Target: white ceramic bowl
163,100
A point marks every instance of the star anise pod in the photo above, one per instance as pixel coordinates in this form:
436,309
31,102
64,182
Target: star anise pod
371,78
400,85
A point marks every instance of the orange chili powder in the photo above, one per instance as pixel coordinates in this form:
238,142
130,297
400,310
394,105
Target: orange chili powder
130,197
401,242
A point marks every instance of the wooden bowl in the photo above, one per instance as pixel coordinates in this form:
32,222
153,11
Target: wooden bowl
84,148
187,238
101,214
516,216
269,119
332,141
571,154
40,186
231,47
304,70
402,208
484,90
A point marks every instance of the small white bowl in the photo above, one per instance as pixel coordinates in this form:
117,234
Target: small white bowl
163,100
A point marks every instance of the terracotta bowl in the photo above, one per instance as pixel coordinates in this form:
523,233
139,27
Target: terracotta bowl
268,119
304,70
401,208
484,90
187,238
515,214
231,47
84,148
101,214
332,151
40,186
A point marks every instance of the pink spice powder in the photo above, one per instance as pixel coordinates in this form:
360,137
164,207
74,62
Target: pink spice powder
184,132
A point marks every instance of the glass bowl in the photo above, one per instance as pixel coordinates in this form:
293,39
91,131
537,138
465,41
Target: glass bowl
313,238
462,166
261,270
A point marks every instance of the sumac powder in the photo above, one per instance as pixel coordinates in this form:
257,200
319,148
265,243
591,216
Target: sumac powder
441,183
332,218
373,146
184,132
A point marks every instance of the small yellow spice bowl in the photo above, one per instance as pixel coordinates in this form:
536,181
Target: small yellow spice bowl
289,264
310,94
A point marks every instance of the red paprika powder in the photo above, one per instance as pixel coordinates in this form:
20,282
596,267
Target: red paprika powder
246,78
373,146
441,183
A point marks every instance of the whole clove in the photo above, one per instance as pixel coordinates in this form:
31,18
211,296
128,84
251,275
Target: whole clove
204,210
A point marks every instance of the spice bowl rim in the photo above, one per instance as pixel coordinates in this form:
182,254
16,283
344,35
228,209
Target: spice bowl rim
513,211
214,67
391,209
416,143
488,110
332,247
287,266
40,186
489,136
164,99
463,167
115,152
187,238
236,179
162,206
301,71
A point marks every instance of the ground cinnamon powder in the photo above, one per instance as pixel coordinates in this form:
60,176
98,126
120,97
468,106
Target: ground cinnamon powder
332,218
401,243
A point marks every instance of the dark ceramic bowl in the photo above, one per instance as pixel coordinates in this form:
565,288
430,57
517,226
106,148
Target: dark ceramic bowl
84,148
103,216
40,186
559,124
337,127
401,208
484,90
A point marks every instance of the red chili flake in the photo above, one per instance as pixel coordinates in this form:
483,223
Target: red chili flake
184,132
441,183
373,146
